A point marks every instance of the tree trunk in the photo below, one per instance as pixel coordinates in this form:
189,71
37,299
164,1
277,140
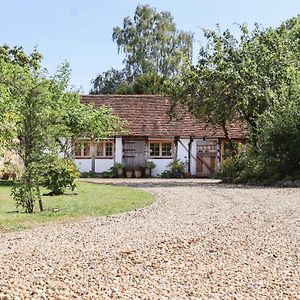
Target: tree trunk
254,131
40,198
227,137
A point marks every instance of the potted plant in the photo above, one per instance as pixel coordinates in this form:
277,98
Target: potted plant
148,166
129,173
177,168
119,167
186,173
138,173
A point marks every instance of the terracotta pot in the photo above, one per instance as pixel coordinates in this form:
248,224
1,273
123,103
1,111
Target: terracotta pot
129,174
147,172
187,175
120,172
137,173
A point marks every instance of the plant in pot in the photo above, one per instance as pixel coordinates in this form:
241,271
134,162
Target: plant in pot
129,173
138,173
177,168
119,167
186,173
148,166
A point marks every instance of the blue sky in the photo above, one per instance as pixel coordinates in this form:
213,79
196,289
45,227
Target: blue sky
79,31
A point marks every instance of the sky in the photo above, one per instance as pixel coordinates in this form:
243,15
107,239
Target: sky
80,31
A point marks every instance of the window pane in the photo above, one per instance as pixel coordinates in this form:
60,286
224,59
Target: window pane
154,149
166,149
77,149
109,149
100,149
86,149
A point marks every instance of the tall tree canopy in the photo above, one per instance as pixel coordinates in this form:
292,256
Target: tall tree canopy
36,112
237,78
155,51
152,43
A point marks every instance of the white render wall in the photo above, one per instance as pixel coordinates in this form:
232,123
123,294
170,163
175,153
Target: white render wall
83,164
102,165
182,149
161,165
118,150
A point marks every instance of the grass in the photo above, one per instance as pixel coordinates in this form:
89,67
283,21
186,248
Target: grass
92,200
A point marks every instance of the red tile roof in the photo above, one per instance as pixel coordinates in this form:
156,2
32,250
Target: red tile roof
147,116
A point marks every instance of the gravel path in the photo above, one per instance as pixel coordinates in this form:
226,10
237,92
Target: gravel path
199,240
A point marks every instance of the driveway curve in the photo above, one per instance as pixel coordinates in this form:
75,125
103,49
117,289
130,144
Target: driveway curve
199,240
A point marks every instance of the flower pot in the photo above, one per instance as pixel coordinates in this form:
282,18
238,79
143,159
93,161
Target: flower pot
120,172
147,172
129,174
137,173
187,175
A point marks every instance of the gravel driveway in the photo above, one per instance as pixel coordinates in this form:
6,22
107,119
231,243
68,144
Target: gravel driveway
200,240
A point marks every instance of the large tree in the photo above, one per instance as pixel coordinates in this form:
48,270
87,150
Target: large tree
38,112
237,78
155,51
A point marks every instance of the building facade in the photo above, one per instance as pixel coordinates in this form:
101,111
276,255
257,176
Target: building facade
151,135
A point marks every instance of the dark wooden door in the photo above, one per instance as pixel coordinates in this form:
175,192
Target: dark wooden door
134,153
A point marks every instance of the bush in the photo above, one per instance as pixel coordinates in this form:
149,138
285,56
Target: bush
60,175
167,174
111,173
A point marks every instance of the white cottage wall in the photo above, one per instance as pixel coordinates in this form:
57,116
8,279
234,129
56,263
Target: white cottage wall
84,165
182,149
102,165
161,165
118,150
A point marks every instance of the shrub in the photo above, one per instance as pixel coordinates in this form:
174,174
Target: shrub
167,174
148,164
60,175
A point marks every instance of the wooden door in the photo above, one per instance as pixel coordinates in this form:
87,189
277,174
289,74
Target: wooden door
206,158
134,153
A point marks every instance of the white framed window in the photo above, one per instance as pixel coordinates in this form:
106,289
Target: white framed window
161,149
82,149
105,149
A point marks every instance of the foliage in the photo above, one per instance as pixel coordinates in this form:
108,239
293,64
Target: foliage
176,167
154,49
119,165
148,164
148,83
276,156
152,43
167,174
39,117
237,78
111,173
59,175
26,191
108,82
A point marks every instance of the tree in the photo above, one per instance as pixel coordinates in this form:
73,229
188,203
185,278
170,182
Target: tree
208,88
236,78
38,113
154,49
108,82
152,43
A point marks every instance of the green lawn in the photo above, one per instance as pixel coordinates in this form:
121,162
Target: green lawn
92,200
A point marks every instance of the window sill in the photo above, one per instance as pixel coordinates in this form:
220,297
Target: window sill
160,157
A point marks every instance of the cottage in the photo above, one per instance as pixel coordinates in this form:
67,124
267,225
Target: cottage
151,135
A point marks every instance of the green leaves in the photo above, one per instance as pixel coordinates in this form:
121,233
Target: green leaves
154,49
